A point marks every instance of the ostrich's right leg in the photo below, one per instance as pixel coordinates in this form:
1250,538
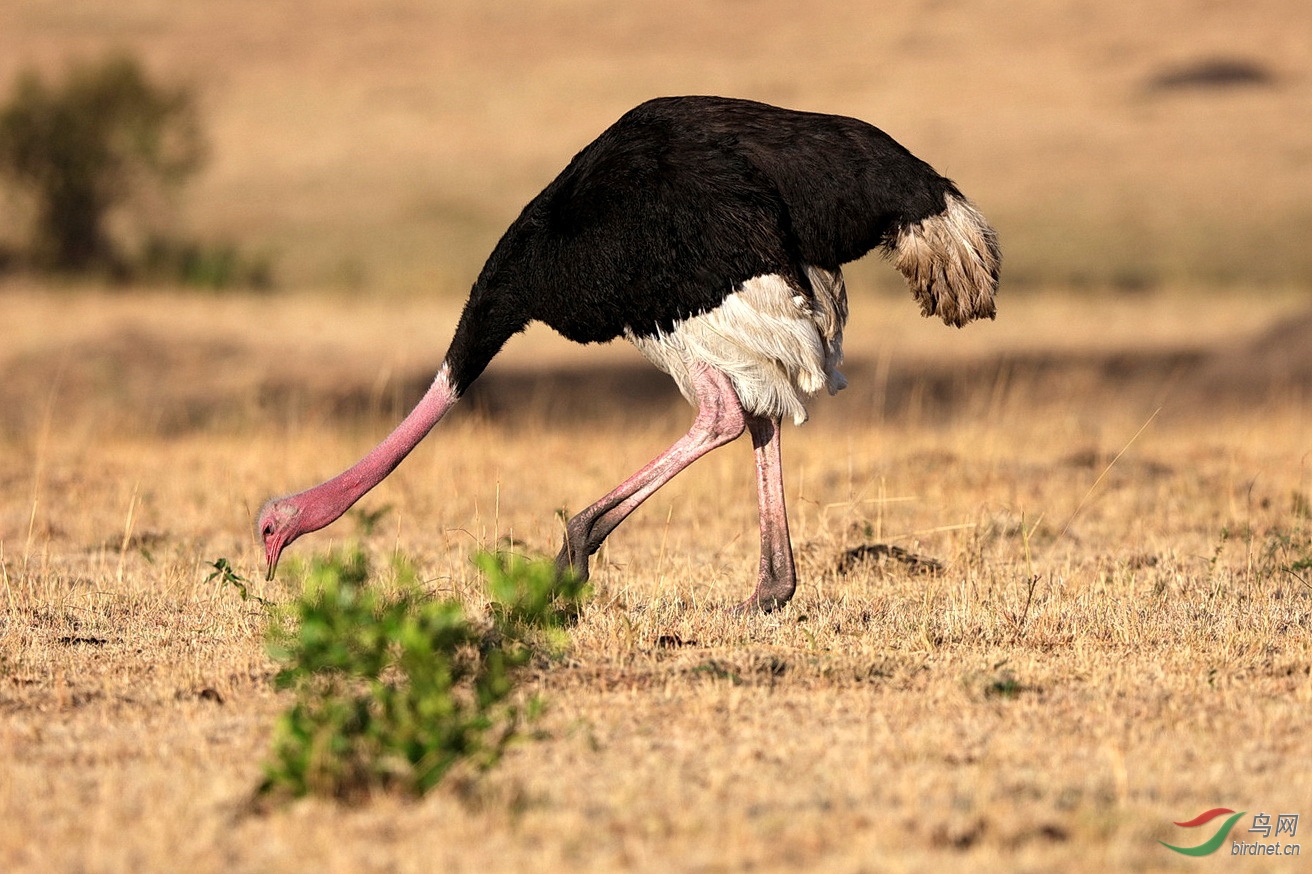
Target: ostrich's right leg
778,576
720,420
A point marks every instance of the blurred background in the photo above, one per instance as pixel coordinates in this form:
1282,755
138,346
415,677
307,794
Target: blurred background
386,145
291,199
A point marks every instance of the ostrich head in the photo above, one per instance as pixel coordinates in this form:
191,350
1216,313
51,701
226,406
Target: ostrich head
282,520
278,524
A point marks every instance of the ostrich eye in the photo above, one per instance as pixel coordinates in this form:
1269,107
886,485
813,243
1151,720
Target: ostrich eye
268,529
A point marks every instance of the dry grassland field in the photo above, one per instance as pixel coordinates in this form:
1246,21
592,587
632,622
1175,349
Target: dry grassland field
1084,611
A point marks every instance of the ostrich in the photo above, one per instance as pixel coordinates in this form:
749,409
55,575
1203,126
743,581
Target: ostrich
710,233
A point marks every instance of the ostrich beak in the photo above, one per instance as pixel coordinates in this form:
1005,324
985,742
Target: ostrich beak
271,554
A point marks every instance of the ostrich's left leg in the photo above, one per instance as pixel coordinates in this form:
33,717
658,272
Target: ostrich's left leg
778,576
720,420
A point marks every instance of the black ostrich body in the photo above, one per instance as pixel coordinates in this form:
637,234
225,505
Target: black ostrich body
679,203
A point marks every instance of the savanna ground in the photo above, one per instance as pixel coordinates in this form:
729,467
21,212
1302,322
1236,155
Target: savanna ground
1114,478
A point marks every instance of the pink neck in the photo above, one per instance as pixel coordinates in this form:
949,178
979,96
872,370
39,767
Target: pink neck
327,501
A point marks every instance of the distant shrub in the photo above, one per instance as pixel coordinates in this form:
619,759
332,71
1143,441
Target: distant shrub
82,150
88,144
391,693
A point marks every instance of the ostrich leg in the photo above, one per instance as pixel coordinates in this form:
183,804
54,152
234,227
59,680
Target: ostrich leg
720,420
778,577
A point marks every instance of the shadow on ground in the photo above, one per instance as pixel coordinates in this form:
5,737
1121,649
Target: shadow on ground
161,385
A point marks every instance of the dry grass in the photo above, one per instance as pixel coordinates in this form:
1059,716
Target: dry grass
1115,642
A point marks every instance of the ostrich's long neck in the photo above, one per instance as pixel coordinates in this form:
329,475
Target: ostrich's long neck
489,318
327,501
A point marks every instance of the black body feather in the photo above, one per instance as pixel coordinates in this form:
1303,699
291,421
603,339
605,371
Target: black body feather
676,205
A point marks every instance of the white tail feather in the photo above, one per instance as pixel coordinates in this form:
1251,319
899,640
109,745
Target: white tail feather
951,261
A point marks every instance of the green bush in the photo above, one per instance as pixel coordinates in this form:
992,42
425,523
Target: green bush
391,693
532,602
86,146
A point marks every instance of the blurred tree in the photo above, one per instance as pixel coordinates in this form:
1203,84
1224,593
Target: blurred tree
87,145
